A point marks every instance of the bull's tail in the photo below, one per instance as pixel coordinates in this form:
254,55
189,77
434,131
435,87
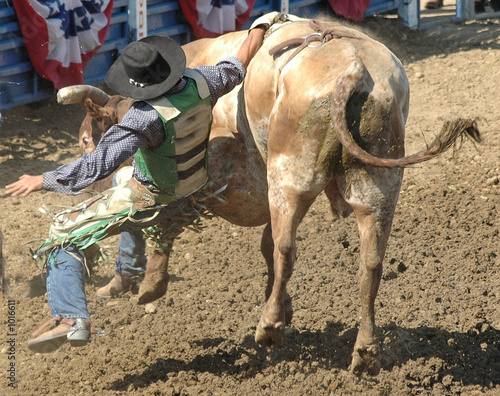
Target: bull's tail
353,80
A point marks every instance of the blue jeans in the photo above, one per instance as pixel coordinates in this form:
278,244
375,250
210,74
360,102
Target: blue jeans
66,274
131,261
66,283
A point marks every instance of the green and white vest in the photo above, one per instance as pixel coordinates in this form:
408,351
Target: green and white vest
179,165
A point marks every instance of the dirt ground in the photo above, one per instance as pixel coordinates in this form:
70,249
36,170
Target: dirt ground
438,308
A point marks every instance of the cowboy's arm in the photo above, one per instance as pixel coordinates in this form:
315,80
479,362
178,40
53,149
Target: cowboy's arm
91,167
25,185
118,144
70,178
140,127
230,71
251,44
256,36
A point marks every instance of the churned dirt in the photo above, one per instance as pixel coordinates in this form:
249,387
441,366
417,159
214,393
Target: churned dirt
438,308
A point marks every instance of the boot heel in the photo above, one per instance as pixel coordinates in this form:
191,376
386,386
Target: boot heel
78,343
80,333
79,338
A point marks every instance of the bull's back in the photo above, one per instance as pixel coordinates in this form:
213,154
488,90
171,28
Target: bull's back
311,72
210,51
290,91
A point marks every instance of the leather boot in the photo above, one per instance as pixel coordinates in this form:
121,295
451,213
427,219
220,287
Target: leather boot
77,331
118,285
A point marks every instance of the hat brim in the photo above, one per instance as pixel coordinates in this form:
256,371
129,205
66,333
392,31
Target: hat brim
117,79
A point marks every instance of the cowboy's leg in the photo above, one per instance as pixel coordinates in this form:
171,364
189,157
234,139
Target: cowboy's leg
67,302
66,283
130,264
132,260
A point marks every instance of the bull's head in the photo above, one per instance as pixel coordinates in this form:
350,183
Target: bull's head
103,111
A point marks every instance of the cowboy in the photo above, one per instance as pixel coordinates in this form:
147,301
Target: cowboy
153,72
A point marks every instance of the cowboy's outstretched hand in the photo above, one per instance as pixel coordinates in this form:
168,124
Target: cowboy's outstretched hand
25,185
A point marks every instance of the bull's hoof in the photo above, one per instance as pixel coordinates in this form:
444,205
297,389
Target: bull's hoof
149,292
366,357
270,334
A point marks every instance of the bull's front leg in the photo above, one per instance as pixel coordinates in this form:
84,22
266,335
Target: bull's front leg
155,283
171,223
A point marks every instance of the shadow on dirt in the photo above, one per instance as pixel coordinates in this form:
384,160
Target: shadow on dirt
462,356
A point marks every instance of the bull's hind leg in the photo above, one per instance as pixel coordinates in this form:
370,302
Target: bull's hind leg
285,218
267,249
373,197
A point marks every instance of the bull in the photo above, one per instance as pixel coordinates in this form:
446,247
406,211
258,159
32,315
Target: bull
322,109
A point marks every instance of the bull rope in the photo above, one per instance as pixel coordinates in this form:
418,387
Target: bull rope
321,33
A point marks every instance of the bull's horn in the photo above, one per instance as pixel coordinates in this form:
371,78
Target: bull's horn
78,94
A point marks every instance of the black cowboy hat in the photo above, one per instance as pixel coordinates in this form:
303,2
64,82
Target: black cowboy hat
147,68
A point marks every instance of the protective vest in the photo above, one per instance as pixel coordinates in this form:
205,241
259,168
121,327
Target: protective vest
179,165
